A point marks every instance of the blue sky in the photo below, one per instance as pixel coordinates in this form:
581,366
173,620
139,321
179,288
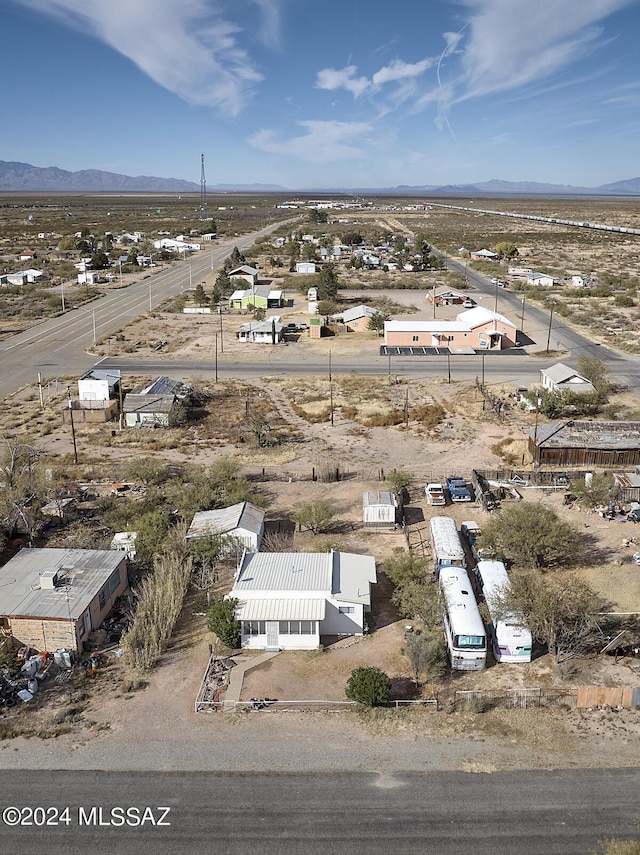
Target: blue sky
309,94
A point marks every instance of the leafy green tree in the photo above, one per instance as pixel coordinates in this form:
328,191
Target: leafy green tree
356,262
316,216
326,308
597,372
223,284
415,594
199,296
149,470
99,260
352,239
132,257
309,252
67,243
399,481
601,490
328,282
427,654
377,321
221,619
369,686
213,227
560,611
532,535
506,249
315,516
259,313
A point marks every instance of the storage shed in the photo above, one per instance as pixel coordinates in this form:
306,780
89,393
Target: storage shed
242,522
580,443
379,509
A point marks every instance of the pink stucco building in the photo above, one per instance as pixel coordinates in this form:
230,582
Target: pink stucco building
478,328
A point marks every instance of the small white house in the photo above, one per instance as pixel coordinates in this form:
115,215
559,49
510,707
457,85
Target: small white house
243,522
542,280
559,377
269,331
99,384
305,267
289,600
379,509
89,277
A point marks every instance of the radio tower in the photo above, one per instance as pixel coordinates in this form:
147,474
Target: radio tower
203,191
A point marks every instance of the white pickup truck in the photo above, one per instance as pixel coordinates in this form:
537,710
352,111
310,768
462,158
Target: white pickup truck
435,495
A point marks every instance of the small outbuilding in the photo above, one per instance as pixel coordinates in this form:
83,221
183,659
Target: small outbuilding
379,509
241,523
582,443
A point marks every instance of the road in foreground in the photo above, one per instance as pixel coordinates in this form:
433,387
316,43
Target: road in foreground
515,813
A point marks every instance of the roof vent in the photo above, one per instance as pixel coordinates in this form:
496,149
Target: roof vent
48,580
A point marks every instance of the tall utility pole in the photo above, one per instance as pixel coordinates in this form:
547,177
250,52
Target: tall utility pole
203,190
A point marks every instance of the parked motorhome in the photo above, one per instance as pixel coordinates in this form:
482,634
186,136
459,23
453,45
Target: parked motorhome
446,547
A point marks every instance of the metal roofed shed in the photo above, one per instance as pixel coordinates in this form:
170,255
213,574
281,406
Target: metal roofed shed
242,521
53,598
288,600
584,443
380,509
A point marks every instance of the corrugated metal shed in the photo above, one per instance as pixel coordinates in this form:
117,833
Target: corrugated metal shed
225,520
281,609
82,573
163,386
148,403
379,508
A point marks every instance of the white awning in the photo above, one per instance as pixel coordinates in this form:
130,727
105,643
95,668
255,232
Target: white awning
281,609
494,332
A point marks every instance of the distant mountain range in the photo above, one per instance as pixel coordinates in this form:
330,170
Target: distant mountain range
16,176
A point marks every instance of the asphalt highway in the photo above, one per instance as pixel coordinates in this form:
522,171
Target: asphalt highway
445,813
57,347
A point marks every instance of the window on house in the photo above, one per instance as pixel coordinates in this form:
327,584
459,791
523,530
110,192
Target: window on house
253,627
347,610
307,627
414,338
81,627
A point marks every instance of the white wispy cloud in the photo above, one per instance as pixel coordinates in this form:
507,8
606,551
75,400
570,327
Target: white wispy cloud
342,78
322,142
270,29
509,44
402,73
189,47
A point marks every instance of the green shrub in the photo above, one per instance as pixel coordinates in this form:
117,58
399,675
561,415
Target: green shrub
369,686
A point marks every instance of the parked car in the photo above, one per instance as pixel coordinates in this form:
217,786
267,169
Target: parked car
458,490
435,494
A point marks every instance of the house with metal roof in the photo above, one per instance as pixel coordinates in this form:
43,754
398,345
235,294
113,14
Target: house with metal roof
53,598
241,523
290,600
357,318
260,296
268,331
559,377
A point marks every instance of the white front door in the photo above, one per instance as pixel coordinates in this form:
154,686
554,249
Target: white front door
272,635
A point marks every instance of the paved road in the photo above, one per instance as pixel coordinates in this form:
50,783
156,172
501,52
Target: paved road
516,813
57,346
